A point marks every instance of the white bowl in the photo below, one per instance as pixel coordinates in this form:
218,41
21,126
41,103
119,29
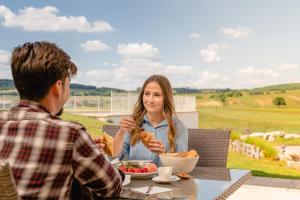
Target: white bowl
179,164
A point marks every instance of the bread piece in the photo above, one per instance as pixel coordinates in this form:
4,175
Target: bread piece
183,175
184,154
192,153
146,137
108,141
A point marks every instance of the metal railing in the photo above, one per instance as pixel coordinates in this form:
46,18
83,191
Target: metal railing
116,103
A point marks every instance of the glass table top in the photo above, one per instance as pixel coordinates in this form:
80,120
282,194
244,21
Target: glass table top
206,183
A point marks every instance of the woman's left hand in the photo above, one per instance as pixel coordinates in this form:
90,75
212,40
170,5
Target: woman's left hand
156,146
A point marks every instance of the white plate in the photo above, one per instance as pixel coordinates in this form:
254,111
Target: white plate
141,175
159,180
138,162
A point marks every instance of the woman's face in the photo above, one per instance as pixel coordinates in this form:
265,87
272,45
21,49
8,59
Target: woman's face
153,99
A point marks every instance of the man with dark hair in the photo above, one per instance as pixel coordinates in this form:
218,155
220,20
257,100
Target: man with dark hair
47,154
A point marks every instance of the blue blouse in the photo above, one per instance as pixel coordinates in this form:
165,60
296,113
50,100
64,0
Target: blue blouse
140,152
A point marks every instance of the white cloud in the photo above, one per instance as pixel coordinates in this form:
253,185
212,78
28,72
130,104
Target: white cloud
211,53
194,35
258,73
131,73
47,19
94,45
236,32
5,73
135,50
4,58
288,66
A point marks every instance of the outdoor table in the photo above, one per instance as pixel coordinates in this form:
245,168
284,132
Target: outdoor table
206,183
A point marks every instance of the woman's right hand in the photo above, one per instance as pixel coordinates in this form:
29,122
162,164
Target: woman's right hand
126,124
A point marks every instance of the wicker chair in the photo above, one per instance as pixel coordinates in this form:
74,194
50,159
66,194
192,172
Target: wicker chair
111,129
7,184
212,146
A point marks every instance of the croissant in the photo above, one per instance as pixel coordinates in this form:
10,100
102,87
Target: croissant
108,141
184,154
146,137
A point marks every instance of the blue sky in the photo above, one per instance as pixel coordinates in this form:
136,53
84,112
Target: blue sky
195,43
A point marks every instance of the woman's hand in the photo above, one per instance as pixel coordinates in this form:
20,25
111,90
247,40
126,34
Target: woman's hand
99,143
126,124
156,146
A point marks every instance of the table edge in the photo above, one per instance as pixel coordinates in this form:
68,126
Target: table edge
229,191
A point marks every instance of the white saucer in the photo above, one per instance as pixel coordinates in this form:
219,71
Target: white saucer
159,180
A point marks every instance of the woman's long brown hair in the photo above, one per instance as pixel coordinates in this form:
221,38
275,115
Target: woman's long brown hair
168,111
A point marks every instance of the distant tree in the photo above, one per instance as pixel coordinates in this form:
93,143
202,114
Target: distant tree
279,92
256,93
279,101
222,98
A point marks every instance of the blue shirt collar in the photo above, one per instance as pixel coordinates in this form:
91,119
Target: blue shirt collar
162,123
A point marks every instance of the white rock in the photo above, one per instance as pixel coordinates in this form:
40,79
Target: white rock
257,134
291,155
276,133
271,138
291,136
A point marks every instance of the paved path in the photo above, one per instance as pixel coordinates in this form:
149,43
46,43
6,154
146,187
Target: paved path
261,188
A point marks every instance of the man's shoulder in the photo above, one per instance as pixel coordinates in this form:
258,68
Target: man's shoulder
4,114
66,124
39,117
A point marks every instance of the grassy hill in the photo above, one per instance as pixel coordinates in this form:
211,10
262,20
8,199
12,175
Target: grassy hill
7,87
288,86
256,112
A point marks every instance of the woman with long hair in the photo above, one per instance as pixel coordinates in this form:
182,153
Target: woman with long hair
154,112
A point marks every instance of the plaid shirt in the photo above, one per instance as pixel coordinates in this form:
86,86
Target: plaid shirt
46,154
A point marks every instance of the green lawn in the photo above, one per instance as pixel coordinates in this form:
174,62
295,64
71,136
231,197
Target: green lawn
256,119
261,167
93,125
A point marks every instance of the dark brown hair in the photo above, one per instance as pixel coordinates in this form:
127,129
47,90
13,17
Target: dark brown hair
37,66
168,111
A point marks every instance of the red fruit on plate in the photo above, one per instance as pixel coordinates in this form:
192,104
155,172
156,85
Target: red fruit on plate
153,167
130,170
122,168
146,169
137,170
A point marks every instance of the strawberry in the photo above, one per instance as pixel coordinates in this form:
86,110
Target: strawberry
130,170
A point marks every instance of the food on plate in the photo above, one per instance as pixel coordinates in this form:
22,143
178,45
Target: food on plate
108,141
183,175
184,154
146,137
136,168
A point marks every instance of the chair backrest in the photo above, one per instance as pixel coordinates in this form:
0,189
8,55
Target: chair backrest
7,184
211,144
111,129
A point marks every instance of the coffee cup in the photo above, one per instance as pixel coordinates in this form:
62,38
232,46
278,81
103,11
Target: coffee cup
165,173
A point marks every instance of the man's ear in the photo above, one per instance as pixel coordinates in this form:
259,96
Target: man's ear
57,87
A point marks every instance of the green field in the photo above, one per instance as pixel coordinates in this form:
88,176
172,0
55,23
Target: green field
263,167
256,119
93,125
255,112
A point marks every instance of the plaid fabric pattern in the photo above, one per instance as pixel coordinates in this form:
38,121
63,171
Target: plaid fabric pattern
46,154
